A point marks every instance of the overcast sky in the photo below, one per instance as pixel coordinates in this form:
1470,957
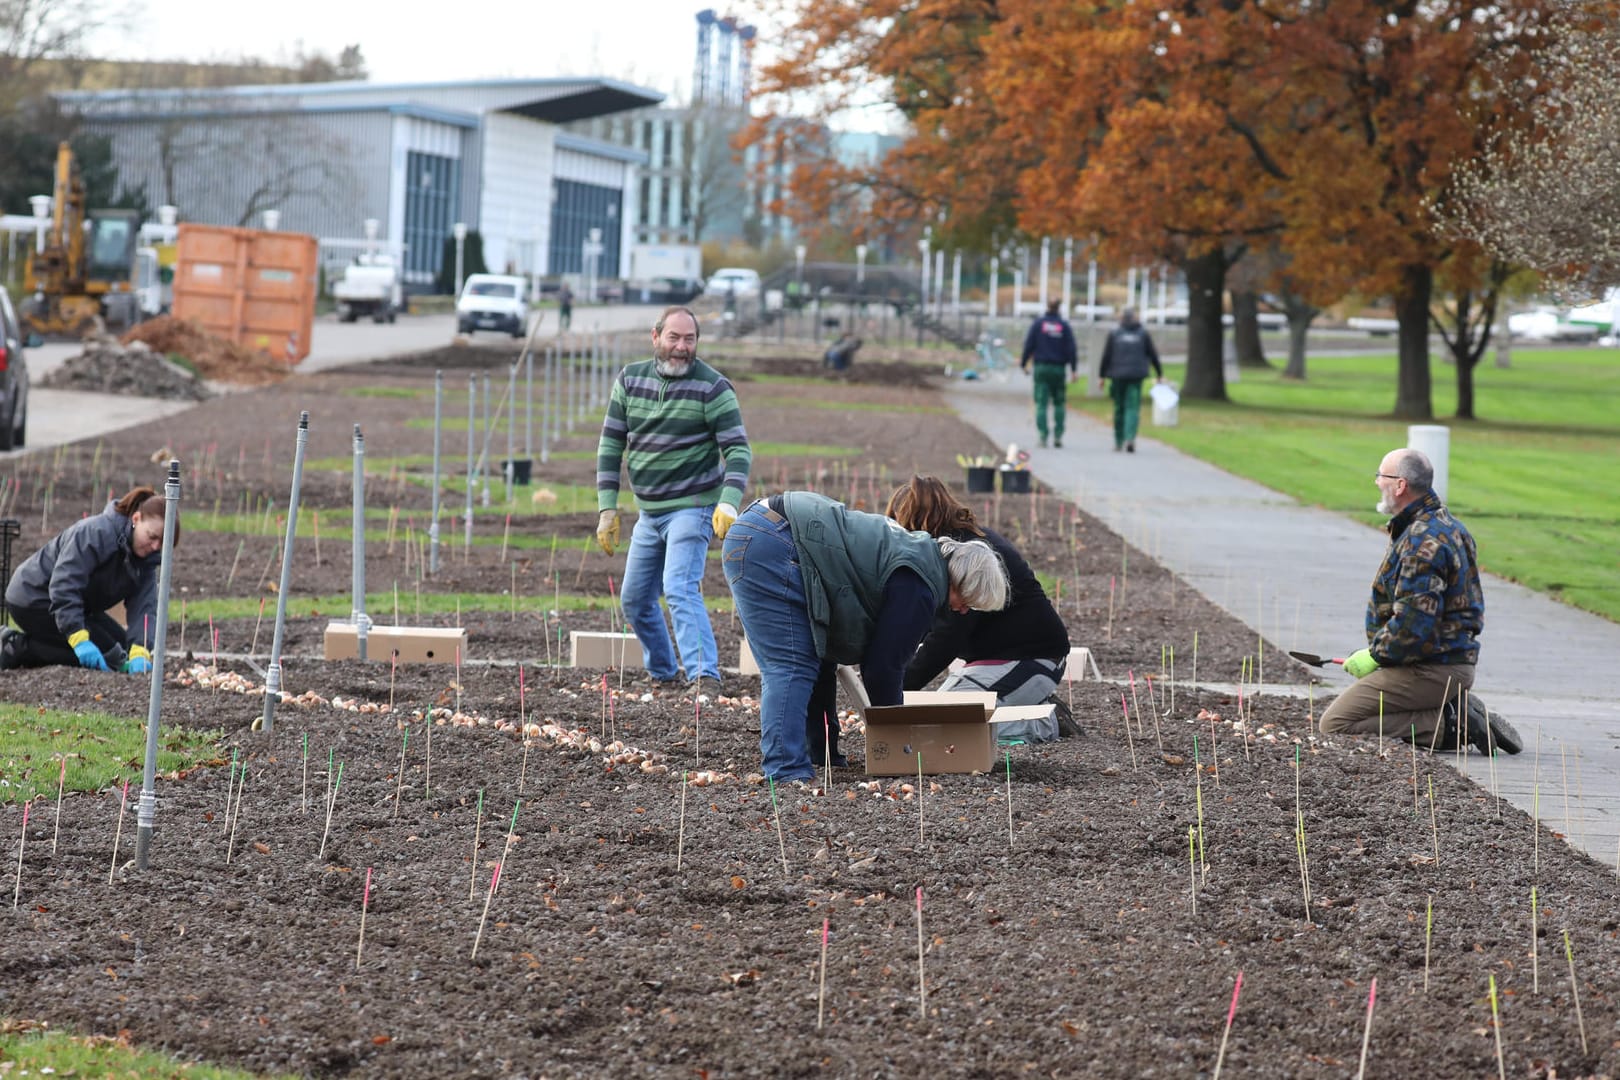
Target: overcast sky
648,42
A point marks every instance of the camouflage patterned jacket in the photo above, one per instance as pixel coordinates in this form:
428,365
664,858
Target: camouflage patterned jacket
1426,606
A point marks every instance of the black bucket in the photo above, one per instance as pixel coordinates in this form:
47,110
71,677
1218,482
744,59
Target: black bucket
519,470
980,480
1015,481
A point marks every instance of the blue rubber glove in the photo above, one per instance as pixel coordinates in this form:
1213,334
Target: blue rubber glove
85,649
1360,663
139,662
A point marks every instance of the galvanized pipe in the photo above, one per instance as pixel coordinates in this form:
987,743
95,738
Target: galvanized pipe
511,433
483,461
146,811
528,406
472,427
272,674
362,624
548,381
438,434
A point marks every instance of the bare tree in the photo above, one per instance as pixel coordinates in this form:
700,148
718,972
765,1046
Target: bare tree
1546,196
35,31
714,177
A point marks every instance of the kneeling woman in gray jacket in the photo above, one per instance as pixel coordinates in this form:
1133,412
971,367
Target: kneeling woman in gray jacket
59,597
814,580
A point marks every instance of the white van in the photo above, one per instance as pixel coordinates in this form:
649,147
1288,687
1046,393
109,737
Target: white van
493,302
733,281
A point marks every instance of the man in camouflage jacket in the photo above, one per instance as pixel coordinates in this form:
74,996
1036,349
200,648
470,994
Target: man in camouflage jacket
1423,625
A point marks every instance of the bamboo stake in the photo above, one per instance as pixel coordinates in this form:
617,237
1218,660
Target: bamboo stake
1434,823
1231,1014
821,994
365,903
1414,772
1129,742
919,800
1007,759
494,879
123,800
253,648
330,806
1198,786
16,892
61,783
1575,989
1366,1035
922,982
1110,607
399,786
1496,1030
303,794
1535,950
680,836
241,786
230,788
478,827
1428,939
781,841
1192,867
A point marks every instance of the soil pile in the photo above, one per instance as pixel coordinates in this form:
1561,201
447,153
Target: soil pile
114,368
213,357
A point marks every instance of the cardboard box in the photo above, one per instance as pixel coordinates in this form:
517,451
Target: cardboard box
409,644
954,732
746,664
597,649
1079,660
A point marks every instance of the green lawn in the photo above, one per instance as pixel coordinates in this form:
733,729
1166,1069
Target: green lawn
33,1051
1536,478
101,750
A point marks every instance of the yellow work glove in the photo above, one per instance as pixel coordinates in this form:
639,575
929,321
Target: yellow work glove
1360,663
607,530
723,517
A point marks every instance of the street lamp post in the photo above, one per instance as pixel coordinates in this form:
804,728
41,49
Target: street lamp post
592,250
1068,270
1046,258
860,267
459,230
995,281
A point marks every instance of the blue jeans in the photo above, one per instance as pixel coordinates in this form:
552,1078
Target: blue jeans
666,558
762,569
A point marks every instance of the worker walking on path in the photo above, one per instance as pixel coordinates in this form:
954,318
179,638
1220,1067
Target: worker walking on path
1423,625
1125,361
672,424
60,595
1050,345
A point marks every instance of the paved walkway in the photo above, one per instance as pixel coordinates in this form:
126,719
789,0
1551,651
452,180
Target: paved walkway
1301,575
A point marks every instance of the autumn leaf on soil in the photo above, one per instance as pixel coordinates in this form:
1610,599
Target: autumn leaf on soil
261,847
738,883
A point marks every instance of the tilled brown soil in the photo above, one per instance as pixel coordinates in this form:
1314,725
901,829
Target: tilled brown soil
642,926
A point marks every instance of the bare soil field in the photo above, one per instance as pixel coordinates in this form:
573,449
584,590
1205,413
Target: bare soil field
1084,910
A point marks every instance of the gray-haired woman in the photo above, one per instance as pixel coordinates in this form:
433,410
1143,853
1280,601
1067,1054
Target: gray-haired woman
814,580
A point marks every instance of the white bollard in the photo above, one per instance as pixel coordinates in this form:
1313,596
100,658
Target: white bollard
1435,441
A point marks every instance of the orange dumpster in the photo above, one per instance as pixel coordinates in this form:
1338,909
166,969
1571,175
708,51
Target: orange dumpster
248,286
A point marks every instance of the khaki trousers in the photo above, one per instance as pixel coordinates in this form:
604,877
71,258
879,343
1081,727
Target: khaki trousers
1411,696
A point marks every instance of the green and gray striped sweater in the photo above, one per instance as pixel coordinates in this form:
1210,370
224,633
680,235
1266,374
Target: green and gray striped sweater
681,440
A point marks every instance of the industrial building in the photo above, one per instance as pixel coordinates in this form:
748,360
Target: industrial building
417,158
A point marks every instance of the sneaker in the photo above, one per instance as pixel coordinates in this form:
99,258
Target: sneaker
1130,447
708,685
13,645
1058,442
1067,728
1487,729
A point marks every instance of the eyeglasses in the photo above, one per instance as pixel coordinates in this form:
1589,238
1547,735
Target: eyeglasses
1387,476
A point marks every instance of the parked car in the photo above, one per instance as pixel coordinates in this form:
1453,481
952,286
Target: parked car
733,281
493,302
13,375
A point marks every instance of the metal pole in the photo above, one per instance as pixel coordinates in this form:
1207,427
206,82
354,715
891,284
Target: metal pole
272,674
547,382
1068,271
472,428
361,623
483,462
956,285
528,404
147,808
1046,259
438,436
1091,292
995,279
511,434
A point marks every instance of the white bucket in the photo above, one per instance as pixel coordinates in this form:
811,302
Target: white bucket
1166,405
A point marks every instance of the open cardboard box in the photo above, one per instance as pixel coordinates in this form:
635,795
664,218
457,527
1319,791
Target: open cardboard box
955,732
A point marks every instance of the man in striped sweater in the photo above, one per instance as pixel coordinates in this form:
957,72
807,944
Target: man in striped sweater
674,426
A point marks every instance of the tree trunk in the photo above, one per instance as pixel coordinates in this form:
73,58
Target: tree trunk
1246,330
1414,398
1206,281
1300,314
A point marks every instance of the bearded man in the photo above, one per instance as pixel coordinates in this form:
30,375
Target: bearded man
673,425
1423,624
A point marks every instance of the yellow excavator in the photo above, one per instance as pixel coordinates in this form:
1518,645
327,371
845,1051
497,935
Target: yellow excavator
78,275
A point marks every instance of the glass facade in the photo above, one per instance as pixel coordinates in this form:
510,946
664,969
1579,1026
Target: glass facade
576,209
432,193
